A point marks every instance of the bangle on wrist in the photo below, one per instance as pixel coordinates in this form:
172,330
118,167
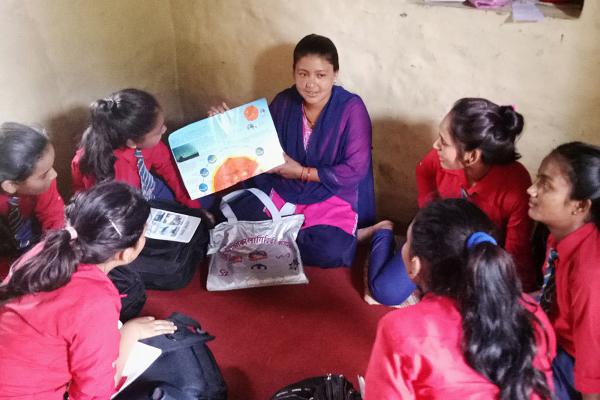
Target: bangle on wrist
308,174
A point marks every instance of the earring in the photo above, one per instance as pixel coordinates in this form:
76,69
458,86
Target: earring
574,212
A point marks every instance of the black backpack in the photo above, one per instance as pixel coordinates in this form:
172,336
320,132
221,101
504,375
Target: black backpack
167,265
327,387
132,291
186,369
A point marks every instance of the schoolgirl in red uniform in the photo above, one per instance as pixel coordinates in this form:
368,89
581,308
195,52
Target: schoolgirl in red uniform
566,198
29,200
123,143
474,158
59,311
474,334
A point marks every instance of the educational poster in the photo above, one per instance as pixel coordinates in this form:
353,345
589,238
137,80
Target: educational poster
220,151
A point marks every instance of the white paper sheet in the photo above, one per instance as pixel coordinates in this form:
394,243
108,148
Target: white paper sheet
140,358
361,385
167,225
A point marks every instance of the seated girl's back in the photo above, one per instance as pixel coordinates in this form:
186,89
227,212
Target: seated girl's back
474,334
59,311
47,339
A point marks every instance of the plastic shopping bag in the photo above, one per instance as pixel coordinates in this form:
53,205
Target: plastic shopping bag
248,254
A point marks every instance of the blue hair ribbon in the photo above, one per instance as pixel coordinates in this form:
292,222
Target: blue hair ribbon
479,237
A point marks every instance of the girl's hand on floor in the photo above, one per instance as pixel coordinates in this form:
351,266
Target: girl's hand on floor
146,327
219,109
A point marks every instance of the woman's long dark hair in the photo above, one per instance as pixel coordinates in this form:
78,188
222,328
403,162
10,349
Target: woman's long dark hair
128,114
21,147
582,162
108,218
480,124
498,338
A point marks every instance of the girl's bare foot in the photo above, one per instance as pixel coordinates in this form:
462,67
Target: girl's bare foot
365,234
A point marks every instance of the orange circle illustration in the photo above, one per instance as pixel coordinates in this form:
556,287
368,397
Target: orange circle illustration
251,113
234,170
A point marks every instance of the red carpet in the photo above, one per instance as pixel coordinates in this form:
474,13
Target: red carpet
269,337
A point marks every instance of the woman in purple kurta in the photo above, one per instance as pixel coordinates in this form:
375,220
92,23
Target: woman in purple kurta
325,132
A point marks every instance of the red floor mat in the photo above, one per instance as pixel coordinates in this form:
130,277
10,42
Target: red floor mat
269,337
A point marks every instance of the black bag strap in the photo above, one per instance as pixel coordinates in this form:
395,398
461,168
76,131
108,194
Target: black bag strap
184,320
325,387
188,333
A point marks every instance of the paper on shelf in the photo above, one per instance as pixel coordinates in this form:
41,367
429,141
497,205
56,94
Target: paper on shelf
526,10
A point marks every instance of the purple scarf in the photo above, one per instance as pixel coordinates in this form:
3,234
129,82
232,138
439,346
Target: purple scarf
339,147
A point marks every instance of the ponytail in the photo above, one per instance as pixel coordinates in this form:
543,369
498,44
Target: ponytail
48,270
498,339
128,114
98,143
106,219
454,239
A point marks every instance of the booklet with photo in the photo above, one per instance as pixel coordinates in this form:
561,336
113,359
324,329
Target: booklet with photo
220,151
169,225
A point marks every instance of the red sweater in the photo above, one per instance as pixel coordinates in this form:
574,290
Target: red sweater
158,159
417,354
48,208
501,194
576,317
68,335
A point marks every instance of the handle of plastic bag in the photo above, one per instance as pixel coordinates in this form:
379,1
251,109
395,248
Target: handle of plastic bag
262,196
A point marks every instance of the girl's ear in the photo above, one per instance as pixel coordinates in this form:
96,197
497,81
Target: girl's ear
129,254
9,186
582,207
131,144
126,256
471,157
414,267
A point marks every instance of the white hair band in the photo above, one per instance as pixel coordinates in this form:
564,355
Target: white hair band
115,226
71,231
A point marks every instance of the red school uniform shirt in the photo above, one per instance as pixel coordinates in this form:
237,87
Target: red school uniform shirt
417,354
48,208
68,335
158,159
501,194
576,313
